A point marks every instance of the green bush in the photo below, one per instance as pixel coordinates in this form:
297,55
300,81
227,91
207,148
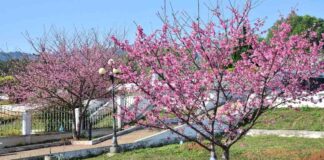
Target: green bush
6,79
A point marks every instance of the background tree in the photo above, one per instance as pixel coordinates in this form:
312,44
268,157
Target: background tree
300,25
65,73
220,105
7,69
4,69
10,59
5,80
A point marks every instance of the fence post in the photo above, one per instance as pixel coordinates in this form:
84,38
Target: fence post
26,123
122,102
77,119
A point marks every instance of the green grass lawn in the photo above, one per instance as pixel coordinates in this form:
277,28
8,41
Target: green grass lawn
11,129
248,148
311,119
5,102
103,123
10,123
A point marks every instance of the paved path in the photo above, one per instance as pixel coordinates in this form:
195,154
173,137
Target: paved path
128,138
287,133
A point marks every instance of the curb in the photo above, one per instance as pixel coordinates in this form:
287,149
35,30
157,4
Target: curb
120,133
33,146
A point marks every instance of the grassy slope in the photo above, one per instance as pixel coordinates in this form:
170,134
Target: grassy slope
303,119
249,148
5,102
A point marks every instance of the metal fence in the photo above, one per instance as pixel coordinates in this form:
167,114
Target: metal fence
100,117
53,119
10,122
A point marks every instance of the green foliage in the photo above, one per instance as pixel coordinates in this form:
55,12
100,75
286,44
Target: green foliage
236,56
4,68
231,69
6,79
3,81
105,122
243,48
11,130
11,66
5,102
300,24
303,118
10,124
305,108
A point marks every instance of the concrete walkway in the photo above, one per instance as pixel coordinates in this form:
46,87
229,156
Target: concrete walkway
287,133
128,138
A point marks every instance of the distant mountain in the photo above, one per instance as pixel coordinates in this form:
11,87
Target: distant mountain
5,56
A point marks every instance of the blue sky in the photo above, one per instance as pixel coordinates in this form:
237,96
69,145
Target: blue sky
36,16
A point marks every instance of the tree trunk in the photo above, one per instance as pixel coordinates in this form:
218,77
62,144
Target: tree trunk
225,155
213,155
75,135
76,131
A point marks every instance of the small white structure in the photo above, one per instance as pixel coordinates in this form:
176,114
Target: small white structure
317,102
26,123
4,97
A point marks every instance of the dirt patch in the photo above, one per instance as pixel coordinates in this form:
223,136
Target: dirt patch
316,156
279,152
193,146
274,153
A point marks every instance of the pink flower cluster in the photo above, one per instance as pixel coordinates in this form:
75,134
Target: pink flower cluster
198,81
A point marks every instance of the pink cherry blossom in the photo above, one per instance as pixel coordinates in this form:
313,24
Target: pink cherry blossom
195,83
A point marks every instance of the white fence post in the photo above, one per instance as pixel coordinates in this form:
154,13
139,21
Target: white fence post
77,119
122,102
26,123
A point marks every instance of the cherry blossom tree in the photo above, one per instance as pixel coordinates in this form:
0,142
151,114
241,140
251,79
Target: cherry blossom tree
198,83
65,74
